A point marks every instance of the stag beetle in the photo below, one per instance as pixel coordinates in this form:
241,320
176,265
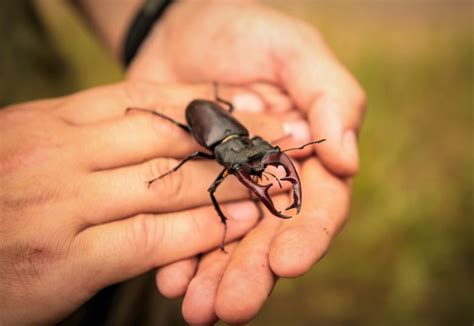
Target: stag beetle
228,140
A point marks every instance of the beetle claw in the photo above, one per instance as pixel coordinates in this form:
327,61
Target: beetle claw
261,191
282,159
291,207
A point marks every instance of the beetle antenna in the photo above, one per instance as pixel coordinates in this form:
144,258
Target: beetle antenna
303,146
278,180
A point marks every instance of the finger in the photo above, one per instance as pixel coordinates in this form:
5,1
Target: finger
250,271
198,303
140,136
134,138
43,105
113,252
332,98
299,134
282,129
172,280
123,192
110,102
303,240
275,99
296,130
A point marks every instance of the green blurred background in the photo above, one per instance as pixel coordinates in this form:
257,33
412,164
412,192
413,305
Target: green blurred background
406,254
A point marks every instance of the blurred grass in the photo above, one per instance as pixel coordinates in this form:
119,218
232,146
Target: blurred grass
406,255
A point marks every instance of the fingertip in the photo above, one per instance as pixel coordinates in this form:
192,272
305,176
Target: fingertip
338,158
265,125
198,304
350,147
248,102
339,151
171,290
231,304
199,301
172,280
286,258
294,251
242,211
298,130
248,279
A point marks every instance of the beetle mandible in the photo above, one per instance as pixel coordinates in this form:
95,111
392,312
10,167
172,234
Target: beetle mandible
228,141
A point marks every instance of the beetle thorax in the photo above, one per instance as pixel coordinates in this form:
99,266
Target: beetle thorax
242,153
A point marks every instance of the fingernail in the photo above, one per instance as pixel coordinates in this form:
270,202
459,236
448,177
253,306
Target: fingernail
241,211
248,102
298,129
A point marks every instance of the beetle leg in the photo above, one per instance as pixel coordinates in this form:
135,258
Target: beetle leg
212,189
221,100
177,123
190,157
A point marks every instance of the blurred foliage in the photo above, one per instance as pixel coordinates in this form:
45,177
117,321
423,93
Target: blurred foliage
406,255
47,51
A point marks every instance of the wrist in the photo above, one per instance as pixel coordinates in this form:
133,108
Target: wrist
110,20
141,26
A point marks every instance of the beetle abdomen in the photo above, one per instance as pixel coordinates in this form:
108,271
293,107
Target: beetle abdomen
210,123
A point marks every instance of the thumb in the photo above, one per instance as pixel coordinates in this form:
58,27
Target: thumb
120,250
323,89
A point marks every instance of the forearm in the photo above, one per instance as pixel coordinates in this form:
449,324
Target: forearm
110,19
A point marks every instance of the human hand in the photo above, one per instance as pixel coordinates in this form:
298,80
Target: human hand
242,42
77,214
234,287
245,43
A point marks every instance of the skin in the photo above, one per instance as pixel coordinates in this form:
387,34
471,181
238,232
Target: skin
77,214
292,71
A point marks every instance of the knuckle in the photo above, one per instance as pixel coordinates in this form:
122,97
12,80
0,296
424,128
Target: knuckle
152,130
155,127
145,235
159,128
195,223
169,187
138,93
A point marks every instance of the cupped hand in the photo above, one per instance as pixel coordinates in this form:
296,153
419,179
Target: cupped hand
288,65
234,287
76,210
246,278
242,42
